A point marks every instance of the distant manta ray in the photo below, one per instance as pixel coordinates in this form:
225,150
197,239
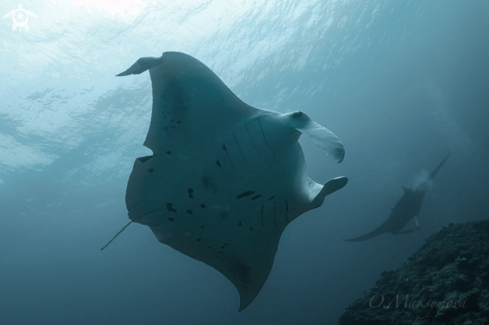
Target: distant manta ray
225,178
405,210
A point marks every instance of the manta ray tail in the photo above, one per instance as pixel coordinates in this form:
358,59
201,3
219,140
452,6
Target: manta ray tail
374,233
433,173
124,228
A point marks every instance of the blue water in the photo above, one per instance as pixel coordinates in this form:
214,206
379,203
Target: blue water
402,83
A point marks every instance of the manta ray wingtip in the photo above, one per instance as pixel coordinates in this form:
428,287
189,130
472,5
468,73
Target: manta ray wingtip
140,66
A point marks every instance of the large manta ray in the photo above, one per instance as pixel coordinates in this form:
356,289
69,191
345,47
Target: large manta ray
225,178
405,210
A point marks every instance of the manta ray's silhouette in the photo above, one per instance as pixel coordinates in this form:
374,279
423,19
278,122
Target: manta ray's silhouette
405,210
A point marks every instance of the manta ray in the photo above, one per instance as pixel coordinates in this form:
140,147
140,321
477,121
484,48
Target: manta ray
225,178
405,210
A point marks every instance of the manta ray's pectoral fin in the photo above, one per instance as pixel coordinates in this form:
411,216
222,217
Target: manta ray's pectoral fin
374,233
416,222
141,65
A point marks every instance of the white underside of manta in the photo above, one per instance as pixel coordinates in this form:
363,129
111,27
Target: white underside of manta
225,178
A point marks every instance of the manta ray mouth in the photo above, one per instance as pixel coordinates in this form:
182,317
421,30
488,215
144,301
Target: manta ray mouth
138,215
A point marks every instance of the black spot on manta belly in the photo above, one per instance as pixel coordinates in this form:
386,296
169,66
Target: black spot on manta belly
169,207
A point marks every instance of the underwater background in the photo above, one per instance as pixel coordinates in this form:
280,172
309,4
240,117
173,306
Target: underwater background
402,83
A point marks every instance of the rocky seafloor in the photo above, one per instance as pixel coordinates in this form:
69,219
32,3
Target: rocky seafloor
445,282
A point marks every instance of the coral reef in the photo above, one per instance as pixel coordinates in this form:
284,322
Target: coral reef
445,282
